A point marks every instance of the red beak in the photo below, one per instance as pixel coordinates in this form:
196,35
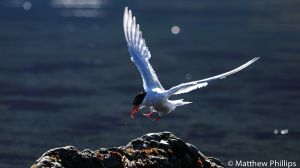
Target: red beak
134,111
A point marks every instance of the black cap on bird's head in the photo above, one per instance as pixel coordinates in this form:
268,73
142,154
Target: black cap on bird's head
137,101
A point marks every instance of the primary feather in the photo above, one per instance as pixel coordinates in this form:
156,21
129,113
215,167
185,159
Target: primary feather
139,52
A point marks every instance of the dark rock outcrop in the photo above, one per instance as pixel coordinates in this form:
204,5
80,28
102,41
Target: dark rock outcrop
152,150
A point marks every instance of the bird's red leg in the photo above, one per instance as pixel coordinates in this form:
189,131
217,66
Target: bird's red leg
148,114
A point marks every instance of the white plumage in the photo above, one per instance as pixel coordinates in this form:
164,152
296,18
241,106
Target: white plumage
157,98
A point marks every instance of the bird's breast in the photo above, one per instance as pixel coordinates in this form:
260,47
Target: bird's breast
158,101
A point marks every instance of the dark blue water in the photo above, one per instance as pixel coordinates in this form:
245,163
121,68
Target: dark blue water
66,77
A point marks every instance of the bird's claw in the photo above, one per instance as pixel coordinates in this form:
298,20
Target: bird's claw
149,115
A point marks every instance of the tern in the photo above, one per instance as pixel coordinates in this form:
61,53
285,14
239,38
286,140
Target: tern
154,96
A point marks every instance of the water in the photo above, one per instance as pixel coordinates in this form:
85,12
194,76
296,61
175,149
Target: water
66,77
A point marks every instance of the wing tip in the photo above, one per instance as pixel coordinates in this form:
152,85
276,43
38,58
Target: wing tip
125,12
254,59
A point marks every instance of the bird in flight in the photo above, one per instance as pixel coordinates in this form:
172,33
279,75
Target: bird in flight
154,96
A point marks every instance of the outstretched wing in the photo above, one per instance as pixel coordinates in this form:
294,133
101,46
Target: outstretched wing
187,87
139,52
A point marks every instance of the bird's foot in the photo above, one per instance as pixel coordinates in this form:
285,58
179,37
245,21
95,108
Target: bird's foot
148,115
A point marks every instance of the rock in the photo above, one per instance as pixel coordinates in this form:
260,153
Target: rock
152,150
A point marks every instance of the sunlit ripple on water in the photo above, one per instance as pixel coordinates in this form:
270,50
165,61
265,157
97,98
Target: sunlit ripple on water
79,8
77,3
67,8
